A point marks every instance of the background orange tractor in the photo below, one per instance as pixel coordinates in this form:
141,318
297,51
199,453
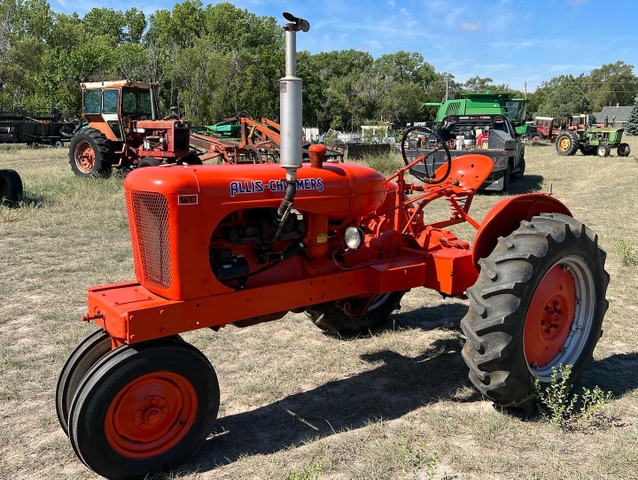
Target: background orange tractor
125,130
222,245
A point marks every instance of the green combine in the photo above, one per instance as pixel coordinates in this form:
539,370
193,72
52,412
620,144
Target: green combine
515,109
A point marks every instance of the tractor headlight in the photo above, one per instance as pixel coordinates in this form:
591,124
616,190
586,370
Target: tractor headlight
354,237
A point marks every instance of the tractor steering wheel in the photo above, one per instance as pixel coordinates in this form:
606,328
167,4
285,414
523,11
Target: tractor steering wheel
425,142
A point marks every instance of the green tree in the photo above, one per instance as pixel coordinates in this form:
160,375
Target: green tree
402,103
33,18
631,125
566,99
105,22
611,84
135,23
329,79
478,84
180,26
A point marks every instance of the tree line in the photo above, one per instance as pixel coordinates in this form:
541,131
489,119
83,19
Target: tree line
213,61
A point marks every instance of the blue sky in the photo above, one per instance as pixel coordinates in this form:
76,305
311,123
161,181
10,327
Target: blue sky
510,41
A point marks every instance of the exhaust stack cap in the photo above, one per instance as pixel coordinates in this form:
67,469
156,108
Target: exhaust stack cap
297,23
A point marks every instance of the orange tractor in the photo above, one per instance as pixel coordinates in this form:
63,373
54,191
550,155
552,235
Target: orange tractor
125,131
222,245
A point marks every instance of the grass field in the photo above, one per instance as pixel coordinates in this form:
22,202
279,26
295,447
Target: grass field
297,404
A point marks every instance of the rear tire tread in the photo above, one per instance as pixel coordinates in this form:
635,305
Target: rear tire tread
495,320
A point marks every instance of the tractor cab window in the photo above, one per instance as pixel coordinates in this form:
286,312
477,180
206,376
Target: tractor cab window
92,101
136,102
145,102
516,109
110,101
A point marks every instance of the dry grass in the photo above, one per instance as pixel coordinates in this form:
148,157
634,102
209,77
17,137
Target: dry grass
295,403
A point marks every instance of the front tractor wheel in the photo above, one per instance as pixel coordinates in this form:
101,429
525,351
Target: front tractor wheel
142,408
603,150
334,320
538,137
538,303
148,162
85,355
90,154
566,144
193,159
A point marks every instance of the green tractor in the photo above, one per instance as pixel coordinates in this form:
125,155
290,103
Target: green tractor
590,139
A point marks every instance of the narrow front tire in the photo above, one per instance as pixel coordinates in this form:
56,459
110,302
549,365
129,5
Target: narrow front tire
142,408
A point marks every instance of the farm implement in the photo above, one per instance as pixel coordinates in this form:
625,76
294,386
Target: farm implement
35,129
221,245
241,139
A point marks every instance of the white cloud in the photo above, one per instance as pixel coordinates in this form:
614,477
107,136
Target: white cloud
471,26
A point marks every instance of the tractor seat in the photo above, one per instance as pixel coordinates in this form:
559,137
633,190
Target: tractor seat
470,170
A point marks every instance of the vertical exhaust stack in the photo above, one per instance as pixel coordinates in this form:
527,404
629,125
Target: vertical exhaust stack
290,112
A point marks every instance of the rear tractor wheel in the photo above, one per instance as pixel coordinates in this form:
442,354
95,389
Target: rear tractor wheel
142,408
90,154
538,303
566,144
623,150
334,320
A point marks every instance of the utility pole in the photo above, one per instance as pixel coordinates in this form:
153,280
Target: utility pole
525,88
447,86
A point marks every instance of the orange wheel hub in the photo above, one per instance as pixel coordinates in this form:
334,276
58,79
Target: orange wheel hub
549,318
85,157
151,415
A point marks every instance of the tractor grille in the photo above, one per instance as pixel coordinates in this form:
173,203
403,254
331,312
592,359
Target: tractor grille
181,138
148,223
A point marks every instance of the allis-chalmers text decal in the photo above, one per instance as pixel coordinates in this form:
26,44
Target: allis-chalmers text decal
257,186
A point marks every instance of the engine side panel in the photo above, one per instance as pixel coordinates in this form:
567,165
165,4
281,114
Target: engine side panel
199,198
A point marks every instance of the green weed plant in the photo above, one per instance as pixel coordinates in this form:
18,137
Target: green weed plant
565,409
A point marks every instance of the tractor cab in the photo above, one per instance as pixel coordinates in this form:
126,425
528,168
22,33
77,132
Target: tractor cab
578,123
111,106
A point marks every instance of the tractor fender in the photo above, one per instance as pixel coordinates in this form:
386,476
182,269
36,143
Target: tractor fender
505,217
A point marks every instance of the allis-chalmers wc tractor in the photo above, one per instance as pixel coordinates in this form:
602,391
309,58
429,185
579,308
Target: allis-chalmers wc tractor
219,245
125,130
